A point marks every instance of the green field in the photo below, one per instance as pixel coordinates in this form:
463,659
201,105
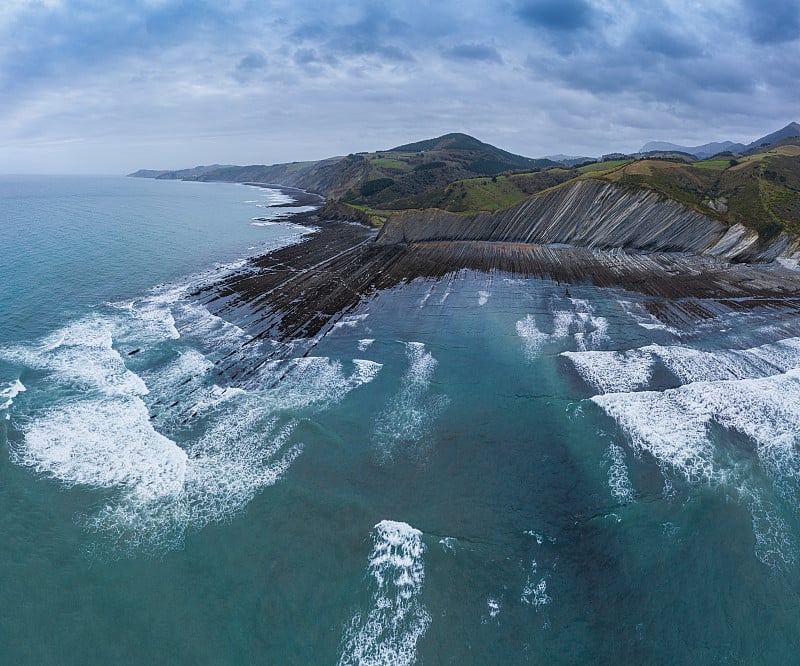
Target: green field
390,164
604,167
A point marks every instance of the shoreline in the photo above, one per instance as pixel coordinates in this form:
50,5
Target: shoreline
299,292
301,197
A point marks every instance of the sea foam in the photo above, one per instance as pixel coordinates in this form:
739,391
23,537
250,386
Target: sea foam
534,592
8,393
407,421
174,448
580,322
675,427
388,633
82,355
104,443
618,480
611,371
629,370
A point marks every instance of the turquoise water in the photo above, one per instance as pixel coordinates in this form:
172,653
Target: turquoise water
479,470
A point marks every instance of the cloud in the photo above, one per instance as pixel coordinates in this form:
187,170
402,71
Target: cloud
251,61
369,30
306,57
669,43
474,52
557,15
98,84
773,21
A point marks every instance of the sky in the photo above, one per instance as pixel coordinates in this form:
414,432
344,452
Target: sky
107,86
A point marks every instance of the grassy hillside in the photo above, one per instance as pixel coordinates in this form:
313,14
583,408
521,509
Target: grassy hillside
761,191
486,193
417,174
376,180
458,173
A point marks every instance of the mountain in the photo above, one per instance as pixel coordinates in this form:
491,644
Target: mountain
760,189
184,174
376,179
791,130
708,149
147,173
478,157
700,152
569,160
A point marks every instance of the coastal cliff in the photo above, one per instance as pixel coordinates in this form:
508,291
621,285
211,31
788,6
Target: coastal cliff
592,214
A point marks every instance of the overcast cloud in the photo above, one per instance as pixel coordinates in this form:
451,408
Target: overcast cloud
97,86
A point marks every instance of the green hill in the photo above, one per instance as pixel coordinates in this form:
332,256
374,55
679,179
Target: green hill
377,180
761,191
460,174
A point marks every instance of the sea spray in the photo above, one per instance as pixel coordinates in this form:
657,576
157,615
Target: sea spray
578,321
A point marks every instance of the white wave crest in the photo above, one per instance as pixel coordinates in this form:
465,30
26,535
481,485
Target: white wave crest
388,633
618,481
10,392
104,443
613,371
644,319
674,426
693,365
161,488
315,381
622,371
351,321
164,473
81,354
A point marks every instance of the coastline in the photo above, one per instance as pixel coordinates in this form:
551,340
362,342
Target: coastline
301,198
299,292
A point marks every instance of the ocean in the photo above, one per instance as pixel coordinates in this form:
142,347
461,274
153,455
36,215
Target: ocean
478,470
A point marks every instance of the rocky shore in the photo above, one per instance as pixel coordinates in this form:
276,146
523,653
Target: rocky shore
301,291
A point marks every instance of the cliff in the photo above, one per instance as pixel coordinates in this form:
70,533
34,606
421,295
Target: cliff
592,214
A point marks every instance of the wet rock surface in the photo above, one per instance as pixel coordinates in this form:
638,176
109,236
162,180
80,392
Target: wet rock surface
299,292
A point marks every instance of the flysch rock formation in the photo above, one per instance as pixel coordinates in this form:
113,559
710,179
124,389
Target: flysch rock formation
692,266
592,214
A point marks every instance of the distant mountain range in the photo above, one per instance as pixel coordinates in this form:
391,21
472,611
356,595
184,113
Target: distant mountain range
709,149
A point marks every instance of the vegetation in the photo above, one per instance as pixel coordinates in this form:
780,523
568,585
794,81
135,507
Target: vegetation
760,191
455,172
390,164
603,167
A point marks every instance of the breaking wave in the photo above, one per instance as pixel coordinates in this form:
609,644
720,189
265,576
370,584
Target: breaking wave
387,634
752,394
129,404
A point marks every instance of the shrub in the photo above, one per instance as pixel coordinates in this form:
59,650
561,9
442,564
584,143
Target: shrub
374,186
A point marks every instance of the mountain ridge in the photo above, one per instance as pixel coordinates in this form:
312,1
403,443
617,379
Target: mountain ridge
758,188
710,149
